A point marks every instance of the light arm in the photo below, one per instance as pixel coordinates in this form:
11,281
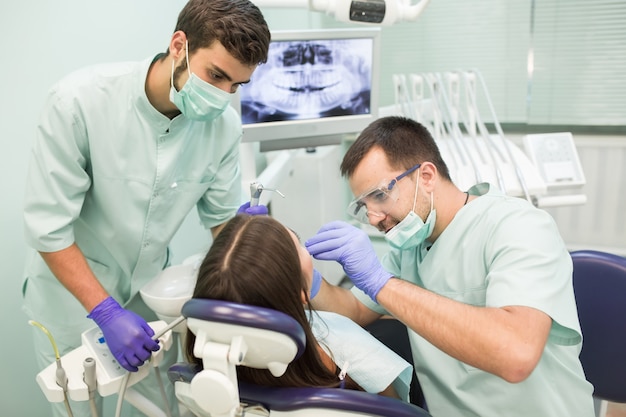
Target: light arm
376,12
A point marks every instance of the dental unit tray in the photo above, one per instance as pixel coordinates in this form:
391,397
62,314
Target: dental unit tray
109,373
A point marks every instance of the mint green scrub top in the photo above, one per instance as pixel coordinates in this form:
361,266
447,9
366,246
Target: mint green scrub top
111,173
498,251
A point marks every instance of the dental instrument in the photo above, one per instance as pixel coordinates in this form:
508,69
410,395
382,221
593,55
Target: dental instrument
122,392
507,146
403,101
473,120
452,148
60,376
89,376
451,124
547,172
256,188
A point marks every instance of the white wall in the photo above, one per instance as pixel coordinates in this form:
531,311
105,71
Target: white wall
42,41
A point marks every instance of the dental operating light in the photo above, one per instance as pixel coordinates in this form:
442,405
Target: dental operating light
373,12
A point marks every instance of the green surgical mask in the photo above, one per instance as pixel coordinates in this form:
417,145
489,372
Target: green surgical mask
197,99
412,231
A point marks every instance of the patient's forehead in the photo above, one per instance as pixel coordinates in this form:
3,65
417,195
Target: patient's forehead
294,235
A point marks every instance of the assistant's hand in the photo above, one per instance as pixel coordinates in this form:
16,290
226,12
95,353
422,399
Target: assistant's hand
352,248
252,211
128,335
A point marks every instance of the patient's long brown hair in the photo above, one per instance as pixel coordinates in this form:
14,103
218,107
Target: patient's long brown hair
254,261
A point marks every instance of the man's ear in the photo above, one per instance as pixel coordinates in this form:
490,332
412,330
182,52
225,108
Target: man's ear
428,174
177,45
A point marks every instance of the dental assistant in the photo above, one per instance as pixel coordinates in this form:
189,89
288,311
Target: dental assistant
482,281
122,153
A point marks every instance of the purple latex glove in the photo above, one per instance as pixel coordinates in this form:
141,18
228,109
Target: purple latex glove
352,248
252,211
128,335
316,283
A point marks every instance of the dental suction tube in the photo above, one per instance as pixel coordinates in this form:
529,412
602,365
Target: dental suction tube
89,376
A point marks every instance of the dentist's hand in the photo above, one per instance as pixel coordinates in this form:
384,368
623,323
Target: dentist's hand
128,335
352,248
252,211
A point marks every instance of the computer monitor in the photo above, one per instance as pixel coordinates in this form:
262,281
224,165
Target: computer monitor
316,86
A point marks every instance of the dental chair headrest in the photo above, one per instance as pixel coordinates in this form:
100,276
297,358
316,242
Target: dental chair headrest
228,335
244,315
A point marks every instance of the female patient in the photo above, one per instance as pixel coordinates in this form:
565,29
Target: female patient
256,260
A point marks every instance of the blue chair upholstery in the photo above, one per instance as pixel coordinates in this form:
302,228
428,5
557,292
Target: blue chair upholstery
246,315
294,399
600,289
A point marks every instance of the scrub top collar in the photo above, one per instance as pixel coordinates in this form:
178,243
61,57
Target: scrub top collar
477,190
159,120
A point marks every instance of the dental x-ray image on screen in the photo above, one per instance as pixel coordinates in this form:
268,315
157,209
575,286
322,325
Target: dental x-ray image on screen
309,79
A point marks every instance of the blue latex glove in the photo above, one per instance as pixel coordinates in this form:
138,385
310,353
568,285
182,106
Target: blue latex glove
316,283
128,335
352,248
252,211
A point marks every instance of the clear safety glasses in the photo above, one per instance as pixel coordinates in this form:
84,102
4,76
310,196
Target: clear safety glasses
377,201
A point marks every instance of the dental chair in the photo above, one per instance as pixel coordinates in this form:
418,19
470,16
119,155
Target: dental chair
230,334
600,290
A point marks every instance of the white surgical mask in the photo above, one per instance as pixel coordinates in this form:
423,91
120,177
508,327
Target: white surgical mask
412,231
197,99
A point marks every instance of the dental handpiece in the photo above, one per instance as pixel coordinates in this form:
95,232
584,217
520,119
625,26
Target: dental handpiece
255,193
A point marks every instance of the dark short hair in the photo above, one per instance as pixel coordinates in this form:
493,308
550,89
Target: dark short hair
238,25
404,141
